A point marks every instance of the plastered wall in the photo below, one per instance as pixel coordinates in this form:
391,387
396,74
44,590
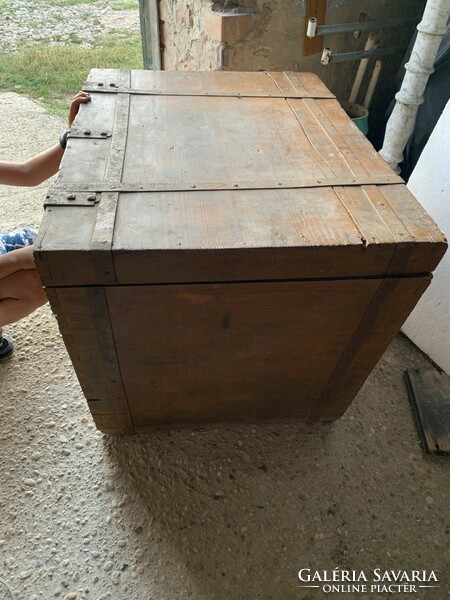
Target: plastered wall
429,324
274,40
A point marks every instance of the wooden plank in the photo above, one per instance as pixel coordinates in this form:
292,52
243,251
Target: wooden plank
64,239
271,146
115,165
289,234
322,143
250,84
232,352
365,216
354,139
314,86
86,159
84,322
102,239
317,9
343,147
384,315
412,227
411,213
149,19
217,82
429,393
288,86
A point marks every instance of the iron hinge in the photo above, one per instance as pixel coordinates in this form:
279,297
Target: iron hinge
71,198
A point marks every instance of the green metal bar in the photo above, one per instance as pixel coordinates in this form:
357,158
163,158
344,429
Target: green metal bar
363,26
149,18
345,56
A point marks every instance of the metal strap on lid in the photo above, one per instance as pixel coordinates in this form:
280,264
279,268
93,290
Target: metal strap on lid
89,194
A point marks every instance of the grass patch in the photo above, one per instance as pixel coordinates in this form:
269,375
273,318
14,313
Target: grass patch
125,5
69,2
116,5
52,74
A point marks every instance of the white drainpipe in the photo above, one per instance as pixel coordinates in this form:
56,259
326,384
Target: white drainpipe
420,66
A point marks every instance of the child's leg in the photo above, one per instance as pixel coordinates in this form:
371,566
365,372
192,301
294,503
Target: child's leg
20,294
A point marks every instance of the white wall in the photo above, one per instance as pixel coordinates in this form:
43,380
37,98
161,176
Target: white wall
429,324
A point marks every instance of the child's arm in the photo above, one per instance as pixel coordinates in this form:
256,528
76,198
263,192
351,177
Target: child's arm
33,171
15,261
44,165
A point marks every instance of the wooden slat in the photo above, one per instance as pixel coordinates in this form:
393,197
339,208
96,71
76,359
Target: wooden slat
365,216
84,322
429,392
381,321
102,239
86,159
302,85
312,82
115,165
343,146
287,86
411,213
314,86
320,140
64,239
411,226
354,139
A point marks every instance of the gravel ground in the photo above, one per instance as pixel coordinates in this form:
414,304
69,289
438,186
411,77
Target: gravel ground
208,514
25,22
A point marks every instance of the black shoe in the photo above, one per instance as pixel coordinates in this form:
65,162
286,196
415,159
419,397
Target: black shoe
6,348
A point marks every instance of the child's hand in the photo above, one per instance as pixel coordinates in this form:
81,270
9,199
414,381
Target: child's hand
80,98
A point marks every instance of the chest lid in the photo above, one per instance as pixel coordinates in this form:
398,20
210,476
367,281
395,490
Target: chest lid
190,177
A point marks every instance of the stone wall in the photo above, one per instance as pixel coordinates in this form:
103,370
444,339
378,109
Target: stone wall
186,47
252,35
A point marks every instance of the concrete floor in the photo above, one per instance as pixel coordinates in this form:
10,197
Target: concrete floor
210,514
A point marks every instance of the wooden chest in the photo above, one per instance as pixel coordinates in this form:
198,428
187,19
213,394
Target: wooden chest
226,247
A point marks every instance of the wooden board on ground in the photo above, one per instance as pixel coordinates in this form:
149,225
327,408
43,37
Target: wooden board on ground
429,392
